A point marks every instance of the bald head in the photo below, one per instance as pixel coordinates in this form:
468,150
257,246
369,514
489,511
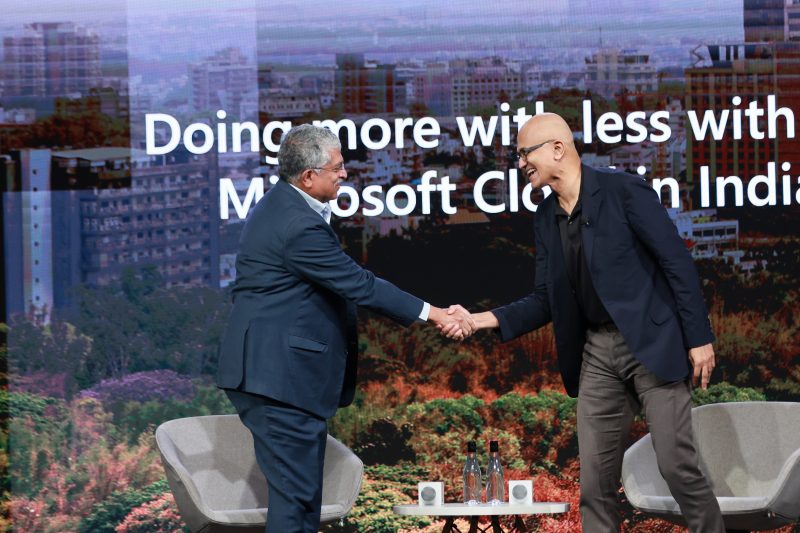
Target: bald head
546,126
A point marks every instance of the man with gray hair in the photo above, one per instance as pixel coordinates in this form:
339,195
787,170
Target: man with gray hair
288,356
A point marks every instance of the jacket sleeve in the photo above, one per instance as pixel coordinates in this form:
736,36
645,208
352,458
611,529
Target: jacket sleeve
651,224
532,311
313,253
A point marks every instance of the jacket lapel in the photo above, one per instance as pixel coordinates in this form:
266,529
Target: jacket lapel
556,265
298,202
592,201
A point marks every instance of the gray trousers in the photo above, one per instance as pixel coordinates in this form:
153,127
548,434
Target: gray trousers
614,387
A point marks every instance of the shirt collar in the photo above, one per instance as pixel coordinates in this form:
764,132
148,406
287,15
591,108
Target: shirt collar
313,203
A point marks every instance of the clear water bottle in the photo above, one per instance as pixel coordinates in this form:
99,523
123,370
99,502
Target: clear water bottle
495,486
472,476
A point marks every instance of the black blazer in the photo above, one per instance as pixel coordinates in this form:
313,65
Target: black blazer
291,332
640,268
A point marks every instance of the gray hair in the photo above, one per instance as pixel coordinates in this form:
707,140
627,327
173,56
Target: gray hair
303,147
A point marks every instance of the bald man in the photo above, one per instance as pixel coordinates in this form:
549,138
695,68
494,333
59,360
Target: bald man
624,297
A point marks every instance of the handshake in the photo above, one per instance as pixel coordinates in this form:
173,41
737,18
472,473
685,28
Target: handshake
457,323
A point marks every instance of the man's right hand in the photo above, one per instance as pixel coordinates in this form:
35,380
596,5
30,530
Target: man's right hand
485,320
454,323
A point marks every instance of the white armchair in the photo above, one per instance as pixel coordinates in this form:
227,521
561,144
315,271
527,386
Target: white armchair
750,452
212,471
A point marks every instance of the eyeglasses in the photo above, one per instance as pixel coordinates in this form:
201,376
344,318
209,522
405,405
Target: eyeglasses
337,168
523,152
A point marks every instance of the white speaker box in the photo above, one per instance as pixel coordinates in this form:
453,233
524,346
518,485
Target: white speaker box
520,492
431,492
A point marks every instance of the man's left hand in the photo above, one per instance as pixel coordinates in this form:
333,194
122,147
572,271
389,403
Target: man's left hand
702,359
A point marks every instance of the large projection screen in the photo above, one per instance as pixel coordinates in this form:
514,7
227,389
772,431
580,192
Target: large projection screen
136,136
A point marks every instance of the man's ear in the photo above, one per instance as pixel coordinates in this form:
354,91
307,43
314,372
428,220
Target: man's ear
559,150
306,178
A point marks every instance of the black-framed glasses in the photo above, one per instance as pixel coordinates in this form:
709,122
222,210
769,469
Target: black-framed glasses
523,152
337,168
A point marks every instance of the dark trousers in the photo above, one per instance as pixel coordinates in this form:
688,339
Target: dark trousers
290,450
614,387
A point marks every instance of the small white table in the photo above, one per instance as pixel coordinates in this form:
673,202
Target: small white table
450,511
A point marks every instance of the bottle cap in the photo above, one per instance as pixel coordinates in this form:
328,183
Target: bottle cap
493,447
471,446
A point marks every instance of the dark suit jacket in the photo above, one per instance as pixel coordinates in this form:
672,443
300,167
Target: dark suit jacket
640,268
291,333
